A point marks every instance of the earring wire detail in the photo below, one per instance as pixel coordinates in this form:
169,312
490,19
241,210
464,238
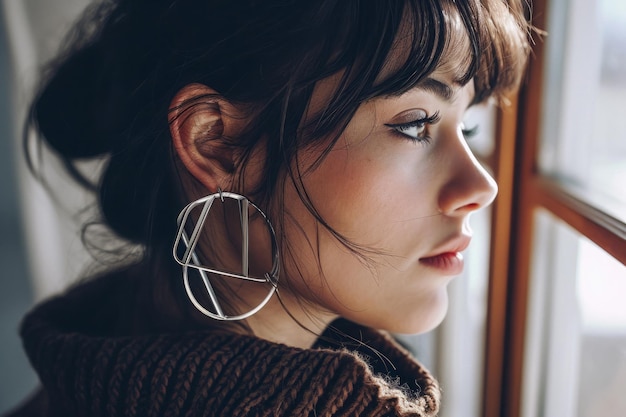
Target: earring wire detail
189,258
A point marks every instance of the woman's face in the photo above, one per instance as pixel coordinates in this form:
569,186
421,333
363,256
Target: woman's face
400,182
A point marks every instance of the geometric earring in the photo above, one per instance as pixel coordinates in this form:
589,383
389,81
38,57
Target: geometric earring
189,258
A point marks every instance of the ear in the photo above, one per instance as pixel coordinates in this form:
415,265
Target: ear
200,121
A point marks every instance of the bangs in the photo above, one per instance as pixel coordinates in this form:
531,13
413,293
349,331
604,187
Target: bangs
484,41
390,47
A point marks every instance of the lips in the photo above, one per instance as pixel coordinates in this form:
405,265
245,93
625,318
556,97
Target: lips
450,263
448,258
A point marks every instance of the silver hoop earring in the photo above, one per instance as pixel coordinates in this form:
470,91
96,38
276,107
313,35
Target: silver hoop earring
190,259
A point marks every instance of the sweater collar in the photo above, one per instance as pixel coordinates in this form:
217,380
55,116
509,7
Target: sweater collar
352,370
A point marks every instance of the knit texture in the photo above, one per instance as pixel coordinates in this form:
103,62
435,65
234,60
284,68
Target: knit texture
88,370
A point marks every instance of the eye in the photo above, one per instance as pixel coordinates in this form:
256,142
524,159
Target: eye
471,121
469,133
415,130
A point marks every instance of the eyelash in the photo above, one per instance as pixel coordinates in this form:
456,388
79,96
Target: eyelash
400,129
471,132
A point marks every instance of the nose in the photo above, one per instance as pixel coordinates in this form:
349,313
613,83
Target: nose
469,186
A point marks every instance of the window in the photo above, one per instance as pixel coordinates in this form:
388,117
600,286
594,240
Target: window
556,323
575,347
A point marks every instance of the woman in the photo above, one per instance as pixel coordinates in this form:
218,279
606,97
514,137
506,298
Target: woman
294,174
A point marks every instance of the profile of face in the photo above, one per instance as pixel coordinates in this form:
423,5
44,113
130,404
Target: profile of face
399,184
402,182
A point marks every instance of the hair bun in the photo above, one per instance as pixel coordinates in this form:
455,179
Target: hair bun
81,111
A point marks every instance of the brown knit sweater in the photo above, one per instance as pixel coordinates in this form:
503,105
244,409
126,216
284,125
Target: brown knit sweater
88,370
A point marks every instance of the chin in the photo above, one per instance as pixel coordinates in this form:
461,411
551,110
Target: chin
428,316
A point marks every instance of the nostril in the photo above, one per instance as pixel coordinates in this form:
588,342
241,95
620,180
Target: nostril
472,206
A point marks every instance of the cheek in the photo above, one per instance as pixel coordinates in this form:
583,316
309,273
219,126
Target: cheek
379,197
367,195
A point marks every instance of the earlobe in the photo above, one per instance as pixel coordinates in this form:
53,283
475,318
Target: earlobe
198,129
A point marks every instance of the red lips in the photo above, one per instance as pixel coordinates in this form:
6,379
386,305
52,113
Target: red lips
448,258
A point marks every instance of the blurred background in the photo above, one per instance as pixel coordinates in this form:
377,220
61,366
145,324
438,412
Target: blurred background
38,238
16,294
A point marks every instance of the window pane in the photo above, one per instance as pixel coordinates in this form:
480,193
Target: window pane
584,119
575,363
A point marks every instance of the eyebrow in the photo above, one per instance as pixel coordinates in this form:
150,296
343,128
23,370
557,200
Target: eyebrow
443,90
438,88
433,86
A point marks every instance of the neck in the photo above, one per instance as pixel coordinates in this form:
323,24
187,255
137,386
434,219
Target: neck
290,323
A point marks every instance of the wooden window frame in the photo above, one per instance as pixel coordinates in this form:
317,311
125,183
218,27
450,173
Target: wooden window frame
522,191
